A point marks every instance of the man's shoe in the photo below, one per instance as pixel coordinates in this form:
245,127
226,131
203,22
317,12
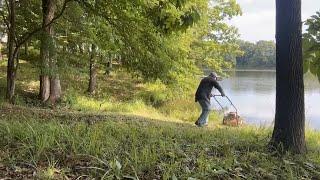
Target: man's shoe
197,123
203,125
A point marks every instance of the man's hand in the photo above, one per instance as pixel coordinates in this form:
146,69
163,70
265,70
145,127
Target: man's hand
223,95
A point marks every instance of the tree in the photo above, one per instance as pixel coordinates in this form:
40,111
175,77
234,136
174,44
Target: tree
289,127
17,36
92,70
12,51
50,88
214,45
257,55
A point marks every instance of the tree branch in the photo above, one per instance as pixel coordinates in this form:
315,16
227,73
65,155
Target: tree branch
94,11
27,36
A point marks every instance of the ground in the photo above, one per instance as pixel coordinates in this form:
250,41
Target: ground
130,130
49,144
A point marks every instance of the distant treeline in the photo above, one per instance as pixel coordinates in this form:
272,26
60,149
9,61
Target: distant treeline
261,55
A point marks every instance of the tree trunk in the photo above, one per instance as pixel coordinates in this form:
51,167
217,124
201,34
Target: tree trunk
26,48
55,89
50,89
289,128
108,66
1,52
93,71
11,53
44,87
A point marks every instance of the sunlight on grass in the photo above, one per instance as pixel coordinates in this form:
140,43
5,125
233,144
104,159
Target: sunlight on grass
137,107
30,86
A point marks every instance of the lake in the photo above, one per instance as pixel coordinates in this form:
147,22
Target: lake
253,93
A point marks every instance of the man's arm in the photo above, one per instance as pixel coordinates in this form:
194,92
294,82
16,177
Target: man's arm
217,86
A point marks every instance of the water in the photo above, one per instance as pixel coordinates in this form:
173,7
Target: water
253,93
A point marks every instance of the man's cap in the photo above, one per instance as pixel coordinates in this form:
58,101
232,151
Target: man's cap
213,74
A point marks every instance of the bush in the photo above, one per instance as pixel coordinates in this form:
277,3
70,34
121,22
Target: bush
155,94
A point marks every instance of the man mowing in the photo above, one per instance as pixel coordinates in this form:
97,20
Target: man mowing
203,95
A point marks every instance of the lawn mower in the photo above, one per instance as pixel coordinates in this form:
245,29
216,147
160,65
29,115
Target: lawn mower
231,118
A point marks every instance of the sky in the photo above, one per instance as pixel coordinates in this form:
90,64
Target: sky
258,19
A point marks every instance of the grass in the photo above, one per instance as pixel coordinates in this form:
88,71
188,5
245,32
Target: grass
59,145
130,129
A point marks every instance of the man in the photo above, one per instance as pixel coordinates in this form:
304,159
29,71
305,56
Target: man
203,95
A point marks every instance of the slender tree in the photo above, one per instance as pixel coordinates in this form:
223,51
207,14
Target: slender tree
289,128
12,51
92,70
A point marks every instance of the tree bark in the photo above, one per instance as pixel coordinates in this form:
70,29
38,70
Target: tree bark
11,53
26,45
1,52
44,87
55,89
92,71
289,128
108,66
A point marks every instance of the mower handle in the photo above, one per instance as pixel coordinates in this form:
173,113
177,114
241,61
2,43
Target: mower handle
214,96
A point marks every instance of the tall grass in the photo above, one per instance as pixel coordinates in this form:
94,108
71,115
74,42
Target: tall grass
142,149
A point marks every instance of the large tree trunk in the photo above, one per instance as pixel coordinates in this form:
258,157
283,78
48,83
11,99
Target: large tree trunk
44,87
289,128
55,89
93,71
11,53
50,89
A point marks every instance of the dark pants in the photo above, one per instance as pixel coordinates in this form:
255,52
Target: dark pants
204,117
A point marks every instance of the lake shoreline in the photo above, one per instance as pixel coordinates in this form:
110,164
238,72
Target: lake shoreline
249,70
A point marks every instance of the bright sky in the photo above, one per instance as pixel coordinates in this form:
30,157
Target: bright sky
258,19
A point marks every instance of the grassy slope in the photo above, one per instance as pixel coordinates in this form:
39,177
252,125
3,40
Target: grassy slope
45,144
114,134
116,93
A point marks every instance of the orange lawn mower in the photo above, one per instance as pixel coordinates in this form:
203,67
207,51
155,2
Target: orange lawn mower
231,118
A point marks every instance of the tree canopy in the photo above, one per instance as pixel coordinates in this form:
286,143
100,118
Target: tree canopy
166,40
261,54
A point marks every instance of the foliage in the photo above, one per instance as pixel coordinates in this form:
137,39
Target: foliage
311,45
257,55
156,39
214,45
171,41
